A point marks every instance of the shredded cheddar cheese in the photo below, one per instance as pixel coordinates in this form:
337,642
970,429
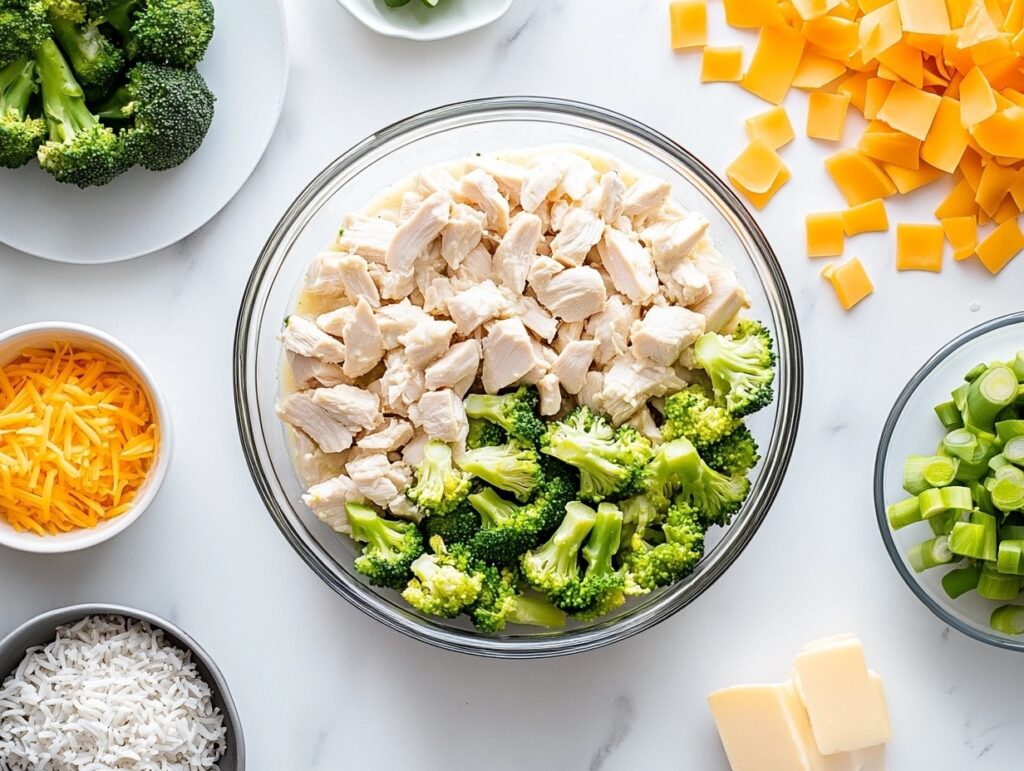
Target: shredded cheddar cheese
78,437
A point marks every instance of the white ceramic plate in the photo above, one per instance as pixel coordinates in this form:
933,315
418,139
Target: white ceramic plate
142,211
416,21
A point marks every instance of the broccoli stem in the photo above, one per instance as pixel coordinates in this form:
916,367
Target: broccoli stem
83,44
534,610
115,107
492,508
63,100
1008,619
949,415
120,18
923,471
17,85
930,554
604,540
957,583
988,395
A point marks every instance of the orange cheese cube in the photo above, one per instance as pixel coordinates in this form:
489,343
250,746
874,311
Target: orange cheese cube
867,217
724,64
689,23
962,234
977,99
993,186
874,96
919,247
947,138
752,14
902,62
856,85
907,180
1001,246
812,9
850,281
1007,211
774,63
772,126
816,71
834,36
928,17
879,30
892,147
910,110
858,177
824,234
1003,133
826,115
758,172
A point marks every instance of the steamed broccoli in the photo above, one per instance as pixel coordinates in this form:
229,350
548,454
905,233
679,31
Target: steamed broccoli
553,566
735,454
501,603
512,467
714,495
80,150
165,113
23,28
95,61
600,590
690,414
649,566
550,502
446,582
663,475
20,134
172,32
515,412
638,514
391,547
507,529
439,487
741,366
456,526
610,461
483,433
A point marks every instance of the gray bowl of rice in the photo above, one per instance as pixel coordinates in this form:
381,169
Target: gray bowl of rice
105,686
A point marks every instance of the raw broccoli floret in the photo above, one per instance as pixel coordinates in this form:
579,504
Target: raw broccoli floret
164,112
610,461
483,433
714,495
446,582
692,415
23,28
554,565
391,547
512,467
172,32
501,603
95,60
20,134
515,412
735,454
648,566
601,588
439,486
80,150
456,526
741,366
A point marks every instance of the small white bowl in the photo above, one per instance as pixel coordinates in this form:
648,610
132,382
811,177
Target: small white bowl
416,21
13,342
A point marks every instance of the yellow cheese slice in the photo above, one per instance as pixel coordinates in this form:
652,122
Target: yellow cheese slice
816,70
752,14
995,183
867,217
756,168
958,203
1001,246
833,35
962,234
772,126
947,138
926,16
971,167
858,177
901,62
907,180
688,23
856,86
957,12
722,64
812,9
1017,191
879,30
919,247
978,27
850,282
874,96
1007,211
774,63
910,110
824,234
760,200
1003,133
826,115
892,147
977,99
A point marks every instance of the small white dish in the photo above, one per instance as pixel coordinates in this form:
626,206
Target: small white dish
142,211
13,342
416,21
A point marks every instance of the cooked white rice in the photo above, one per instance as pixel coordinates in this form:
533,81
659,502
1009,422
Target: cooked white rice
108,693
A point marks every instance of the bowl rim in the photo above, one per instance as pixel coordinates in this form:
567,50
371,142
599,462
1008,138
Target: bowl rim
784,433
81,610
382,26
85,539
881,456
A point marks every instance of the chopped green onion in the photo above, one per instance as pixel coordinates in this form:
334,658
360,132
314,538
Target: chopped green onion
1013,450
903,513
923,471
959,396
949,415
988,395
1007,488
1017,365
930,554
975,372
993,585
1008,429
982,497
1011,533
1008,619
942,524
974,540
1011,558
961,580
996,462
961,443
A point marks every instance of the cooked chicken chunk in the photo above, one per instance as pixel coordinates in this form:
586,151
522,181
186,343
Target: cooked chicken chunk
393,436
606,199
416,233
301,411
664,332
727,297
461,361
476,268
434,179
687,284
479,188
580,231
573,294
426,342
643,422
611,328
328,498
369,237
355,408
441,415
302,336
346,273
401,385
540,181
411,201
396,319
517,251
645,196
472,307
462,234
568,331
590,394
558,212
377,478
308,372
630,382
672,240
550,395
333,322
403,508
579,177
629,265
573,363
508,354
536,319
364,344
509,176
412,453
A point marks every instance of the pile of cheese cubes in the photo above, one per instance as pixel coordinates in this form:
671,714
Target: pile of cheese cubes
941,84
830,715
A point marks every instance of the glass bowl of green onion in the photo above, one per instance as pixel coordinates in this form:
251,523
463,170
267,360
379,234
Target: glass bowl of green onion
949,483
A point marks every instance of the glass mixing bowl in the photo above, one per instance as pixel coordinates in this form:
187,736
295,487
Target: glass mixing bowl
453,132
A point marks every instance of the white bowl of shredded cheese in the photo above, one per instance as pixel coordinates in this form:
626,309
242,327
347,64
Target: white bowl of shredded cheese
78,465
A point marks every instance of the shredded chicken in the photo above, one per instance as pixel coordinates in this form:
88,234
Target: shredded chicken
328,498
441,415
665,332
301,411
304,337
629,265
460,362
369,237
472,307
480,188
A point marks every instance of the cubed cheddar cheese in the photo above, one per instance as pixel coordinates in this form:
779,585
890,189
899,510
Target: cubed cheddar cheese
758,172
910,110
867,217
959,202
880,29
816,70
919,247
724,64
826,115
893,147
812,9
962,234
772,126
875,93
1001,246
977,99
689,23
774,64
907,180
1003,133
947,139
928,17
993,186
858,177
850,281
824,234
751,14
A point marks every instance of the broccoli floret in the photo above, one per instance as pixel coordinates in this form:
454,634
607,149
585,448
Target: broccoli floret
80,10
515,412
507,530
638,514
555,565
664,474
601,589
512,467
501,603
483,433
714,495
610,461
80,150
648,566
439,487
391,547
172,32
692,415
549,504
446,582
741,366
165,113
735,454
456,526
95,60
20,134
23,28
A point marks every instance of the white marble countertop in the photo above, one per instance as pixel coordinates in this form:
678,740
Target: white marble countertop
319,685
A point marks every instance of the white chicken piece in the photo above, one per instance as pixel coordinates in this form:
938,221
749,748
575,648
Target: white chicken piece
573,363
573,294
645,196
395,434
509,176
544,359
606,200
727,297
412,453
435,179
436,296
687,284
540,181
364,344
463,386
472,307
461,361
611,328
313,464
517,251
533,316
355,408
328,498
322,276
643,422
441,415
401,385
508,354
411,201
579,177
301,411
568,331
630,382
630,266
672,238
403,508
369,237
347,273
550,394
333,322
665,332
479,188
426,342
590,394
302,336
377,478
476,268
581,230
559,211
416,233
462,234
308,372
396,319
